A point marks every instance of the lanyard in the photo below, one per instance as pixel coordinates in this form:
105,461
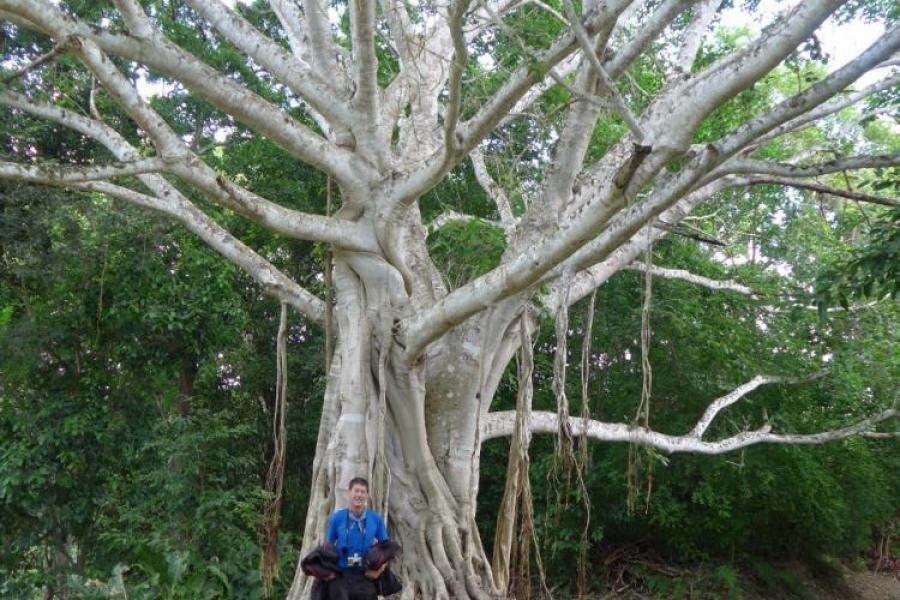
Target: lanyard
362,525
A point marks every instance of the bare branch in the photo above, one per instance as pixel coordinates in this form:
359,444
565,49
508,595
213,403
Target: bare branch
474,130
457,66
693,36
135,18
222,92
273,281
689,232
683,275
492,188
500,424
822,189
830,108
597,266
36,63
812,97
562,70
451,216
761,167
277,218
728,399
325,52
365,64
609,87
291,19
64,174
646,33
296,74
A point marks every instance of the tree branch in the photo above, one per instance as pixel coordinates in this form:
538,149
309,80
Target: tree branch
365,64
277,218
474,130
761,167
493,189
500,424
609,87
451,216
291,19
135,18
822,189
273,281
36,63
65,174
739,392
296,74
683,275
457,66
812,97
829,108
664,14
222,92
693,36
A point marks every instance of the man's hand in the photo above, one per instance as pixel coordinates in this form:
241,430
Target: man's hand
329,577
376,573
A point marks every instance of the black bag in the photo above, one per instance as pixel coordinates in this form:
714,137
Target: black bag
389,584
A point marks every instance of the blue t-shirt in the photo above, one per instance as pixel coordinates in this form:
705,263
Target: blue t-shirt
354,536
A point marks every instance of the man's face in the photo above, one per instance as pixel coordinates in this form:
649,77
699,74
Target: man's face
359,495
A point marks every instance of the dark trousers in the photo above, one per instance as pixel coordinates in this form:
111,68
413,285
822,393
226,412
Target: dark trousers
358,586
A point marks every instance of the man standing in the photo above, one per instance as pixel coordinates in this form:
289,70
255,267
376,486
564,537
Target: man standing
353,531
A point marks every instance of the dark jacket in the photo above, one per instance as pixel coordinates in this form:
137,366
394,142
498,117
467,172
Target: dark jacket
322,562
381,553
388,583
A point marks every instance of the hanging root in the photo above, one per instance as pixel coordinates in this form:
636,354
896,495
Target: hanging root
640,460
564,436
581,464
268,567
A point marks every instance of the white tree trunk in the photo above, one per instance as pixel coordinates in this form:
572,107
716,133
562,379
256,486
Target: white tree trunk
430,434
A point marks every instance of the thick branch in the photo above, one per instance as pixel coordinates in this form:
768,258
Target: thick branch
812,97
291,19
365,64
474,130
457,66
500,424
609,87
222,92
693,36
288,68
324,50
646,33
135,18
277,218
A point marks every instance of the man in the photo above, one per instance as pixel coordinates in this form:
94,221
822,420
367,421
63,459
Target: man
353,531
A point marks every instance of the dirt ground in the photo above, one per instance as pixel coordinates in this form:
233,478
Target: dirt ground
871,586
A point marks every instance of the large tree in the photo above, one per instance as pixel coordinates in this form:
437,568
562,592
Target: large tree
388,100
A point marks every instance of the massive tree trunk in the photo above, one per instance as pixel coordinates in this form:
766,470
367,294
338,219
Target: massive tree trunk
411,428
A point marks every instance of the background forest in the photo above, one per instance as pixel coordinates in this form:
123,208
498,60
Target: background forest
137,371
